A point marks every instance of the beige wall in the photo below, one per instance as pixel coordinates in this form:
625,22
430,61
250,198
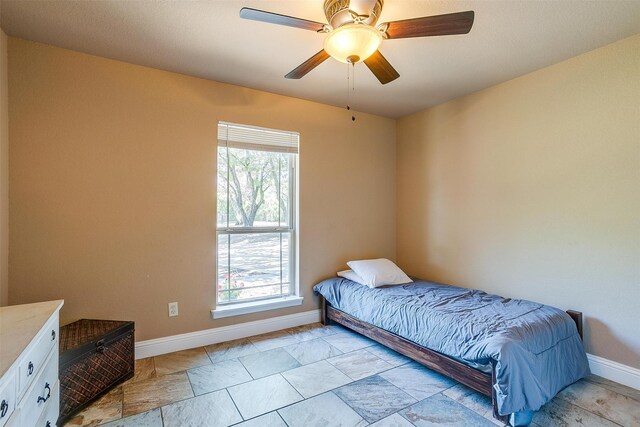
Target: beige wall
4,173
531,189
112,201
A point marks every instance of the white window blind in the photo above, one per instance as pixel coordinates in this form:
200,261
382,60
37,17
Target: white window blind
256,138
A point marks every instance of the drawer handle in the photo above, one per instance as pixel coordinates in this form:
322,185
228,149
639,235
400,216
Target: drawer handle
4,407
48,389
53,335
30,369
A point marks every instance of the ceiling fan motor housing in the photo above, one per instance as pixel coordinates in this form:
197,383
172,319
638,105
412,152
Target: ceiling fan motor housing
338,12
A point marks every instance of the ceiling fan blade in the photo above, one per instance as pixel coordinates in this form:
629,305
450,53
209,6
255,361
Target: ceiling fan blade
276,18
308,65
362,7
438,25
381,68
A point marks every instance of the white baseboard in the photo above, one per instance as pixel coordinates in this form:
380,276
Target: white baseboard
173,343
614,371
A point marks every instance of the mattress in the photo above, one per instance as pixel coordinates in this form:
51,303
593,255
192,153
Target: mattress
535,347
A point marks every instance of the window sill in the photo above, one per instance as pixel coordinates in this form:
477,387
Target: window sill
255,306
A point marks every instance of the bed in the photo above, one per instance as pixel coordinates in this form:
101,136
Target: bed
518,352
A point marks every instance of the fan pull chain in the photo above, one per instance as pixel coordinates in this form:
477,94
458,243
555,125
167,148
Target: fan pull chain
353,87
348,89
348,86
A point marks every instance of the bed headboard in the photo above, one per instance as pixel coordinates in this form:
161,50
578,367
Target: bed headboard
577,317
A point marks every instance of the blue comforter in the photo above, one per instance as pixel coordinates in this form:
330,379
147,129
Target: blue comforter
536,348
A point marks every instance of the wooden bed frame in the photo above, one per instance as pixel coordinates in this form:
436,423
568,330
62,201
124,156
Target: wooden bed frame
480,381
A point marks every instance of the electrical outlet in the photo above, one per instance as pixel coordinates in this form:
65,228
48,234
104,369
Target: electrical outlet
173,309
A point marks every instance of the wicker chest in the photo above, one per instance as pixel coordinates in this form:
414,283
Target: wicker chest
95,356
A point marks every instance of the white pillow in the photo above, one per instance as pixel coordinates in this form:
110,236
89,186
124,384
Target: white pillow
351,275
379,272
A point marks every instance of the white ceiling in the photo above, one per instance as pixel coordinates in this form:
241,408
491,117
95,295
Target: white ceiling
208,39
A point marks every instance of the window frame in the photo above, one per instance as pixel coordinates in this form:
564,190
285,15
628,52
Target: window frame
242,306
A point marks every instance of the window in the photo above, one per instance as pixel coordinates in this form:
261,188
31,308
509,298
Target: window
256,213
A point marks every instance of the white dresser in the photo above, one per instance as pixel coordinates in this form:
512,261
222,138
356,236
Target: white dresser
29,389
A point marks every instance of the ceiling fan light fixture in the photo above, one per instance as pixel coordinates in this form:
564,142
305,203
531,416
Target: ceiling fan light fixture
352,42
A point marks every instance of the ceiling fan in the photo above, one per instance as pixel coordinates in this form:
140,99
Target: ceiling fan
351,35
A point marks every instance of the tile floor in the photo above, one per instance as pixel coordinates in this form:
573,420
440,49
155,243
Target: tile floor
324,376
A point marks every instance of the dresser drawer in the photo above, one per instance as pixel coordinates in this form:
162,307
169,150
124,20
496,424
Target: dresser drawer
7,398
34,360
40,393
50,414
